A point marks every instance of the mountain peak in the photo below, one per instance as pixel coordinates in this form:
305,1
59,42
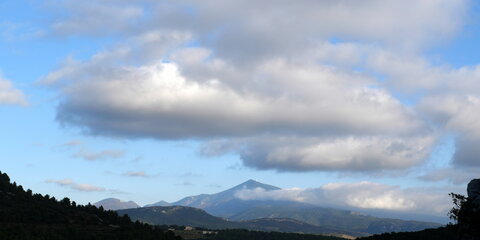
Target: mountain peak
115,204
252,184
251,181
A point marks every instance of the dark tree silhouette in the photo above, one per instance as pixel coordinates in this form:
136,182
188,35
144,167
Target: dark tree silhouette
24,215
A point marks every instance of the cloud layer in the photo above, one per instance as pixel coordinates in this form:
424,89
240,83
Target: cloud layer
361,195
316,92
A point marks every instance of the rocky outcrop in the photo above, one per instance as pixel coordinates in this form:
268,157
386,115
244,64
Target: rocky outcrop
473,189
469,214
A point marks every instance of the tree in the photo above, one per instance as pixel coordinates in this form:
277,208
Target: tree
466,213
458,201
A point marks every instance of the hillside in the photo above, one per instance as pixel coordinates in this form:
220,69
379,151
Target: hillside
177,215
187,216
24,215
341,219
443,233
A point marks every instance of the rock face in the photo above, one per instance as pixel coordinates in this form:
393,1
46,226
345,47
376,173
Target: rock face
473,189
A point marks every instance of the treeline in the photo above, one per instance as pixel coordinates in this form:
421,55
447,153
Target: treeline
24,215
240,234
444,233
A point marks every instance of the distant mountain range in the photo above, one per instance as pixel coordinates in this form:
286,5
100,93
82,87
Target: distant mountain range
229,211
115,204
188,216
341,219
159,204
226,204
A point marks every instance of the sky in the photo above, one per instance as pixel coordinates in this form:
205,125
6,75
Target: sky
368,104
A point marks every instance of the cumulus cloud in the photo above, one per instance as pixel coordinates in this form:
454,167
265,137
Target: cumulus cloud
348,153
406,22
76,186
288,97
9,95
157,101
360,195
454,107
157,94
93,17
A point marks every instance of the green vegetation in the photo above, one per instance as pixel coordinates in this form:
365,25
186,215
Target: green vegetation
177,215
24,215
443,233
188,216
467,214
236,234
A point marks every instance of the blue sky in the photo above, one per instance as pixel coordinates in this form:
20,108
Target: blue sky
157,100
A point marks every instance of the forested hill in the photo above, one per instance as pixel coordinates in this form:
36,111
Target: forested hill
24,215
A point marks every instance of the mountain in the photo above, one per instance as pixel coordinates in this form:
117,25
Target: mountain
188,216
115,204
159,204
341,219
176,215
226,203
25,216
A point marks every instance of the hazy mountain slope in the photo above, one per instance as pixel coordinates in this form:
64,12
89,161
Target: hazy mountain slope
226,204
188,216
115,204
159,204
346,220
208,200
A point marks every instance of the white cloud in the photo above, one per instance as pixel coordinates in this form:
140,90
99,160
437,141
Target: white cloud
93,17
286,97
157,101
347,154
76,186
361,195
158,93
409,23
10,95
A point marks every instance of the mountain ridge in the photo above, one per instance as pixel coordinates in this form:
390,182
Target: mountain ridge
115,204
188,216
